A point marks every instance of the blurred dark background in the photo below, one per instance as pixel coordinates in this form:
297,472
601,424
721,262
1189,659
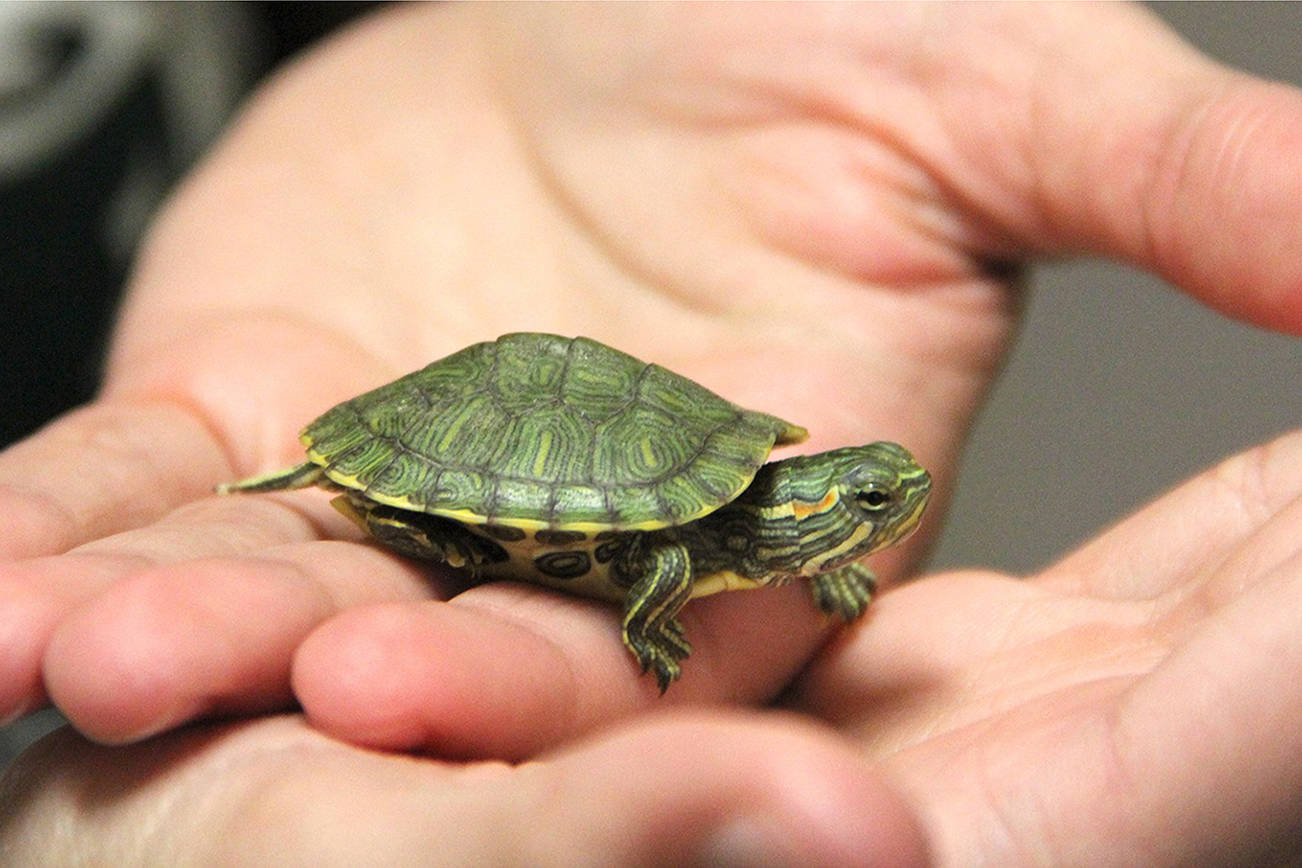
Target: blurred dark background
102,107
1118,387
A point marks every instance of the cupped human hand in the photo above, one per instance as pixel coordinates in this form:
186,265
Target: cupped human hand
1135,704
814,210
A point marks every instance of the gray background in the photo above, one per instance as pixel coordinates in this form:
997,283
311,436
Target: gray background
1118,387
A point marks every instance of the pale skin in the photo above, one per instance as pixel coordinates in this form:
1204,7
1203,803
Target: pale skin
797,206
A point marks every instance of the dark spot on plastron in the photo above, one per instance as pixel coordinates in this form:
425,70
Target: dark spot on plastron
605,552
563,565
505,533
559,537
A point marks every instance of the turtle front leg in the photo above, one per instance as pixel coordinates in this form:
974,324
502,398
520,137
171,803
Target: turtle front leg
845,591
651,629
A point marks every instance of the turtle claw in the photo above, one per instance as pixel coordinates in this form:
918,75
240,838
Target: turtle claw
667,674
844,592
659,650
666,669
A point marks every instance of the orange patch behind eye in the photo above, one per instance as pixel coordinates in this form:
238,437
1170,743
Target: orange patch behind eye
804,510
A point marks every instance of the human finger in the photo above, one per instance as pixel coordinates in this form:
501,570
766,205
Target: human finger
100,470
507,670
685,791
212,636
1191,177
37,594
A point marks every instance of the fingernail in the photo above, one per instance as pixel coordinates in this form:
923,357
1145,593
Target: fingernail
779,840
746,841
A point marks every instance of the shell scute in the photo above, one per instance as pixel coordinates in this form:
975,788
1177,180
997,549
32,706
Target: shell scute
598,393
549,444
582,505
526,378
638,506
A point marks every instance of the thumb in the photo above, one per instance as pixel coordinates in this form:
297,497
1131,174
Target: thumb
1136,146
717,789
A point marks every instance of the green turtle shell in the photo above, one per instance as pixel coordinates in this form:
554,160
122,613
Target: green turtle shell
539,431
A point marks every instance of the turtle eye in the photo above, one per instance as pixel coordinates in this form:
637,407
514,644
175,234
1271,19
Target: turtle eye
873,498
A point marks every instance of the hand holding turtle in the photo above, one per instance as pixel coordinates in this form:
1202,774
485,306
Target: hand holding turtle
1134,704
814,238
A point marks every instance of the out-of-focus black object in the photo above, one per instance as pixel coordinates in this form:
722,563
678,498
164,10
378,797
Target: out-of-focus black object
102,107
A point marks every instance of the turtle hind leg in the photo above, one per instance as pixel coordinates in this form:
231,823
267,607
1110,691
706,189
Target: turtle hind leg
651,631
845,591
299,476
421,536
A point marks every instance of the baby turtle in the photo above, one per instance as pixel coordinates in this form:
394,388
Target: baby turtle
566,463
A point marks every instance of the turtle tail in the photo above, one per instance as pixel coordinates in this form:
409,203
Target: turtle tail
299,476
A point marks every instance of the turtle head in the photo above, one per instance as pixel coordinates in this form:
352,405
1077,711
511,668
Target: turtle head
850,502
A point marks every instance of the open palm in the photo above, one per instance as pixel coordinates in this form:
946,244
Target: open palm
811,210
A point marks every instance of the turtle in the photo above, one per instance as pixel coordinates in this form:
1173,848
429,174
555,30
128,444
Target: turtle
568,463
